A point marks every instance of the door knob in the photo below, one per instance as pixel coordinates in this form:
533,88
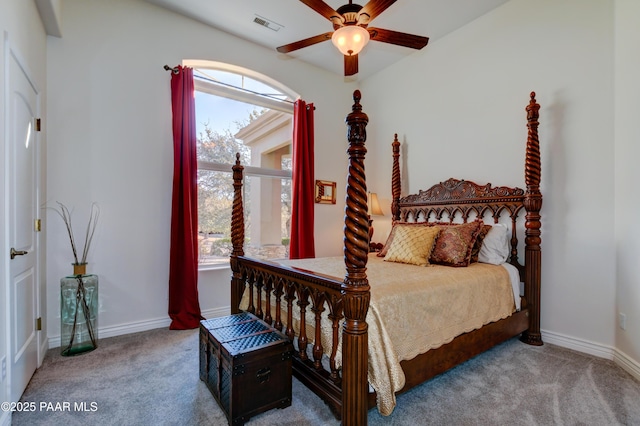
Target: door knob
15,252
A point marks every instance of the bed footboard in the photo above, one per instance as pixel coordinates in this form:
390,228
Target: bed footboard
294,301
344,389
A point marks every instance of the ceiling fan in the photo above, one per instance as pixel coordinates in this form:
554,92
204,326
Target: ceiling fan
351,31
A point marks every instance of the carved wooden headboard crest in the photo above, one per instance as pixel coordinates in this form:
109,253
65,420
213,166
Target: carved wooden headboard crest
455,196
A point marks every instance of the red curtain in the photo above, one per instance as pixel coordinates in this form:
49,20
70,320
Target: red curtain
184,308
302,188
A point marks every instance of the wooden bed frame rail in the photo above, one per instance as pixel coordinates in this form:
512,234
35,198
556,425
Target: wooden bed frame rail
271,286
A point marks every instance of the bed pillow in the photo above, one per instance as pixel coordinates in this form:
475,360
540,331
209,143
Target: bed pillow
455,242
476,247
495,246
412,244
385,249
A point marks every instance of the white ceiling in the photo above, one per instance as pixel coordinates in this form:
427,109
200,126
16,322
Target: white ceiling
430,18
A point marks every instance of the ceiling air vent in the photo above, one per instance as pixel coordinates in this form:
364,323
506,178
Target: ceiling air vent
260,20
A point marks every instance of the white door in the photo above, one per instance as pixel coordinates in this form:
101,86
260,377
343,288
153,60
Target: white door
23,208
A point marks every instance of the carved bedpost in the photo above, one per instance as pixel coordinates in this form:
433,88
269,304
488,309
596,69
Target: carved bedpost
237,237
532,204
396,186
355,288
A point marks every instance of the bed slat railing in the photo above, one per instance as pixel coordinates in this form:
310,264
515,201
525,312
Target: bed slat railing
268,290
335,315
303,302
317,309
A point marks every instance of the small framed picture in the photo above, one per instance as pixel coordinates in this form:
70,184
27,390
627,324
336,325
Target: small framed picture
325,192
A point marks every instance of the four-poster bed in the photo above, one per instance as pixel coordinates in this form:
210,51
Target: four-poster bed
327,317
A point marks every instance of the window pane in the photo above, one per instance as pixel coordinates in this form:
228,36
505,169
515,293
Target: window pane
240,81
269,201
217,121
215,202
263,138
267,209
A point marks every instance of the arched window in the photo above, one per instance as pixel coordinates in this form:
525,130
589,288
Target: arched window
241,111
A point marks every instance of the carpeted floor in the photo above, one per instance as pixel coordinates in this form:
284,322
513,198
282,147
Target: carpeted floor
151,378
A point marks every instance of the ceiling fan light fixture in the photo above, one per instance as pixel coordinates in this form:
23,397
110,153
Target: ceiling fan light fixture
350,39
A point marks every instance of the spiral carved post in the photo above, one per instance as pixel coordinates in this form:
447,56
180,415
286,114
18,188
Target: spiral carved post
532,205
237,237
395,179
355,288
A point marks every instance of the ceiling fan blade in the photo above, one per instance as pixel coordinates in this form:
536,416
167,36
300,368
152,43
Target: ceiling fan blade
350,65
304,43
375,8
398,38
324,9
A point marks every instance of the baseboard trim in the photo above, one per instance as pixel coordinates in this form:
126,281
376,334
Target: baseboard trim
135,327
596,349
217,312
628,364
580,345
44,347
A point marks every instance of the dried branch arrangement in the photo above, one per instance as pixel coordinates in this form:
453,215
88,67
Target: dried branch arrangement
65,214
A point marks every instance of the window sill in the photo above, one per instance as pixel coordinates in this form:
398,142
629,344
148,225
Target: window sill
218,267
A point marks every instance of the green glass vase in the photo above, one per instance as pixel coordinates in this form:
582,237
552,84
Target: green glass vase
78,312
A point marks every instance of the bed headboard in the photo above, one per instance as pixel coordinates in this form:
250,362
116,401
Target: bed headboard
456,199
463,199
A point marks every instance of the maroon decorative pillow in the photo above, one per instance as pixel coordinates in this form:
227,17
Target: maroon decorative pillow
385,249
455,243
476,247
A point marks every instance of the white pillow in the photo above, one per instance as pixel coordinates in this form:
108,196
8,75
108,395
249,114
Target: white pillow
495,246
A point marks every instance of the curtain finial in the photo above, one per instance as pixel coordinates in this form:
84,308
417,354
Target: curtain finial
174,70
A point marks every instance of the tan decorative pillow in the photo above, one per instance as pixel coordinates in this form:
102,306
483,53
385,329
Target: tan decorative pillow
412,244
455,243
385,249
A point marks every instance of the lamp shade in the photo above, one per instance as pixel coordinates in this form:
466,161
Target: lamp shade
374,205
350,39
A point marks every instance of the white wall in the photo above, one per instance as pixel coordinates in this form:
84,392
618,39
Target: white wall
110,141
20,30
460,99
627,173
458,107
